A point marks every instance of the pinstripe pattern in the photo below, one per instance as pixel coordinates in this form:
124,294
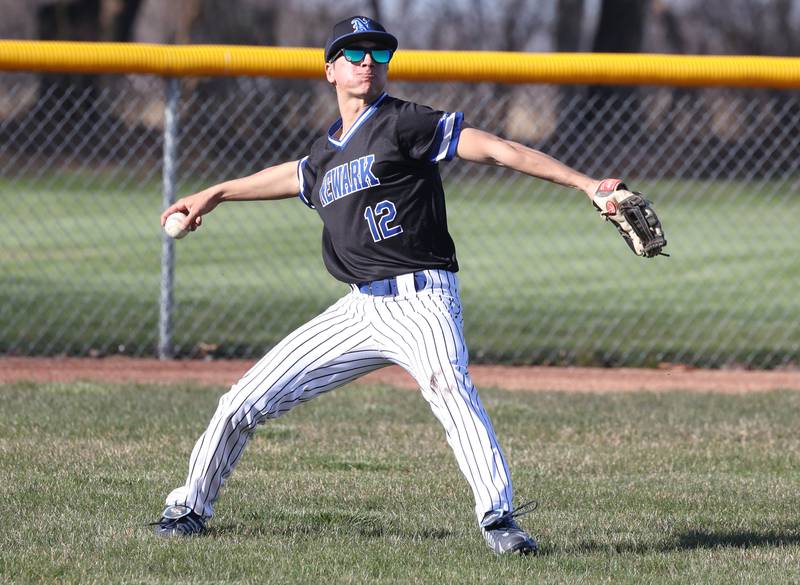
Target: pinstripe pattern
420,331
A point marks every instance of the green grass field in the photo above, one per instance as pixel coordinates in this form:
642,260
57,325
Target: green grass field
543,280
360,487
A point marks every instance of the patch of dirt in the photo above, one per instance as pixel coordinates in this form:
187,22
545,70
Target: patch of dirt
525,378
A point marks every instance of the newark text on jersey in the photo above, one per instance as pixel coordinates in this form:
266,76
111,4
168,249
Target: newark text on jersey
348,178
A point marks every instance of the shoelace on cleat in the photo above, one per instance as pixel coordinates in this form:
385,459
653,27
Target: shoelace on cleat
521,510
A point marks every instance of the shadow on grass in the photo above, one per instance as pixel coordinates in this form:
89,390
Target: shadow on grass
326,523
704,539
691,540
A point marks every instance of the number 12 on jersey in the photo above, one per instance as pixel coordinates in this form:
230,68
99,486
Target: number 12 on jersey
379,220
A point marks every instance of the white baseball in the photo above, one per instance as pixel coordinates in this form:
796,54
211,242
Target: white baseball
174,226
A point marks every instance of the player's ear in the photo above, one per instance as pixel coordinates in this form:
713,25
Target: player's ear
329,73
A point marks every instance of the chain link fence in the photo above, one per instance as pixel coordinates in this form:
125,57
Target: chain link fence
544,280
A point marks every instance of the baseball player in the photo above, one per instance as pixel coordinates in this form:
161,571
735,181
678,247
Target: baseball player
374,181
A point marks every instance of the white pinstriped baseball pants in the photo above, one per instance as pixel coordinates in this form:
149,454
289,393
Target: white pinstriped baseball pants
418,330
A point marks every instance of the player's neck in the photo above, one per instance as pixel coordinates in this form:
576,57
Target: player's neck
351,107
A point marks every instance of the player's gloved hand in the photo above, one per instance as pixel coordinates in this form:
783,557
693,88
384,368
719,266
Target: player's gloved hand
632,215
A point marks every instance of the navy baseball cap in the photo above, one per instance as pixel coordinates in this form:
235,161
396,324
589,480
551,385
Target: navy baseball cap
357,28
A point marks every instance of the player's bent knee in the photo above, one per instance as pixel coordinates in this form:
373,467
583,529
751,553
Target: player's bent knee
440,384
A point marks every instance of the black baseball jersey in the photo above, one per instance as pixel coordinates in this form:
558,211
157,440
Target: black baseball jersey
378,191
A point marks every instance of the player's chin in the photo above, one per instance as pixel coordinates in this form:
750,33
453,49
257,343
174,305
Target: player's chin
369,89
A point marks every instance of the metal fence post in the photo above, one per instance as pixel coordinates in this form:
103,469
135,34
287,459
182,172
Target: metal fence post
165,345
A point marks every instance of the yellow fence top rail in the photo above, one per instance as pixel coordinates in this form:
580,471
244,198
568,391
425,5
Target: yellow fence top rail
559,68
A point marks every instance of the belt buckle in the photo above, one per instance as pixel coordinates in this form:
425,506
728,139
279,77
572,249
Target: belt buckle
388,286
378,288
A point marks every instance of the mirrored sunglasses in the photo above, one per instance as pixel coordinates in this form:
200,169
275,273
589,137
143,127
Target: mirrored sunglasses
357,55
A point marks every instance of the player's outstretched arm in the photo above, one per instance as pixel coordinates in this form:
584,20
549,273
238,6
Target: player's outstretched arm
276,182
482,147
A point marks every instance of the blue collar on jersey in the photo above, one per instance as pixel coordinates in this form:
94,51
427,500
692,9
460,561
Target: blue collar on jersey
365,115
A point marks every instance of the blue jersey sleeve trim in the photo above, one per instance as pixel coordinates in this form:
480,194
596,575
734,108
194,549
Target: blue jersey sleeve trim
447,132
303,197
456,134
438,138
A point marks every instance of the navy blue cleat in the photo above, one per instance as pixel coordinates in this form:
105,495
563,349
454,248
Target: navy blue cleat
179,521
504,536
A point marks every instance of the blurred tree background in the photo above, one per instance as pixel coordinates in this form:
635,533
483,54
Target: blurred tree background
755,27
